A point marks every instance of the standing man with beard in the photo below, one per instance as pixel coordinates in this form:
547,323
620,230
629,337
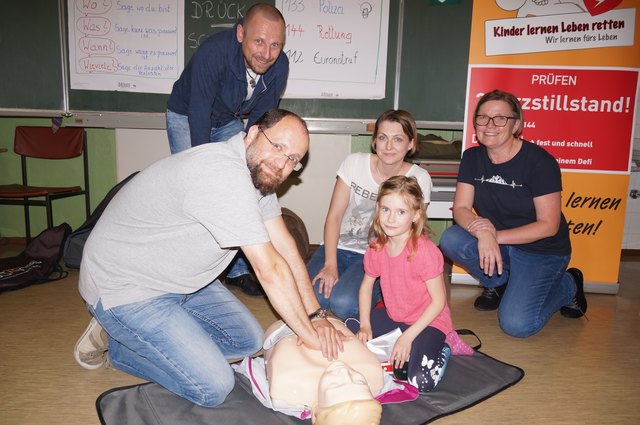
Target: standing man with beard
150,267
235,74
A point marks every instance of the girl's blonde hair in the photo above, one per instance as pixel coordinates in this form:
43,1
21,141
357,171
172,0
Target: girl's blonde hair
409,189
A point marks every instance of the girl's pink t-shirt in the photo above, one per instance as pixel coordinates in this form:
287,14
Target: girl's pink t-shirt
403,281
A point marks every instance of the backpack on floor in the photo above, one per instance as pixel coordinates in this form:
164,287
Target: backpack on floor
73,247
38,263
298,230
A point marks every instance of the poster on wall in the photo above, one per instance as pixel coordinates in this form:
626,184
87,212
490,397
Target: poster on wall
125,45
574,66
564,110
336,50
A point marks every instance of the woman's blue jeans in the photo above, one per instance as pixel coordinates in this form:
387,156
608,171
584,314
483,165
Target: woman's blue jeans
343,300
183,342
538,285
180,139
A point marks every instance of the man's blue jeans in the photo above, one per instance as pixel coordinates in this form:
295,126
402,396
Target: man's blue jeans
183,342
180,139
180,135
343,300
538,285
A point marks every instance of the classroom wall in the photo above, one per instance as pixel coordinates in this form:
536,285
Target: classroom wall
102,176
306,193
114,154
631,238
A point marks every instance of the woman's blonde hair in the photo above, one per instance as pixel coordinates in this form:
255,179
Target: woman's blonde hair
358,412
409,189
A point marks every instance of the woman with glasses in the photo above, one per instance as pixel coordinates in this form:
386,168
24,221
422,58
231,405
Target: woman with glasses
336,268
510,233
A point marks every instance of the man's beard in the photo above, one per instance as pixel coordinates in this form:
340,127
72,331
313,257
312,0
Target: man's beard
262,181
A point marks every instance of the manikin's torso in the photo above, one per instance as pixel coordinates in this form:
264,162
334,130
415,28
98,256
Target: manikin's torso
293,371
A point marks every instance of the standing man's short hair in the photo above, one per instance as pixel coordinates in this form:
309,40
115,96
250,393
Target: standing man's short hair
265,10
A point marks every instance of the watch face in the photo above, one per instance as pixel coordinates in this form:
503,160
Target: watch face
321,313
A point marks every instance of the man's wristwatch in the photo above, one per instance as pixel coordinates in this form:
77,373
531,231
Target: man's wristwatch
319,313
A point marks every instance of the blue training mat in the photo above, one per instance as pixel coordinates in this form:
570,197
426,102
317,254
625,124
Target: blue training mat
468,381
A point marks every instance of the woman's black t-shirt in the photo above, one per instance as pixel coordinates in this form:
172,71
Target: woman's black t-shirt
504,192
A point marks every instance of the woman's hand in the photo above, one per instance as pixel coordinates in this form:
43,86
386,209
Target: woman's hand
482,224
327,279
489,253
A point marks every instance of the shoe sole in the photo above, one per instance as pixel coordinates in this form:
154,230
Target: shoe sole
485,309
571,314
240,288
76,350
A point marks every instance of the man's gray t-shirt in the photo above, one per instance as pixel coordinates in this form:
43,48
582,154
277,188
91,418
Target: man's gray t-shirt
175,226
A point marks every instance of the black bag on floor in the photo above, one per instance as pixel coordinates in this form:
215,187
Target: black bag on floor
74,245
38,263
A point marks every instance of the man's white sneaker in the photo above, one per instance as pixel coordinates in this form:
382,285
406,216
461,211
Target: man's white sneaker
91,349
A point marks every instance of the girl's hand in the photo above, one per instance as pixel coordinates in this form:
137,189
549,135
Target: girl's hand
327,279
401,350
364,334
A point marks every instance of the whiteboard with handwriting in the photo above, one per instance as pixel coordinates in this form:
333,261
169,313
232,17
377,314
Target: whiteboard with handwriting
125,45
337,49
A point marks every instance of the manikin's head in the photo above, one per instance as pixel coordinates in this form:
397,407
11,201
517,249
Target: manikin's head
275,145
340,383
344,398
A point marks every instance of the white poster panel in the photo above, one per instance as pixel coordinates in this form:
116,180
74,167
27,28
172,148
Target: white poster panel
125,45
554,33
337,49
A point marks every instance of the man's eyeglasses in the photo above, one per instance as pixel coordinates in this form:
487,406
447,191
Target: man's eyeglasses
297,166
498,120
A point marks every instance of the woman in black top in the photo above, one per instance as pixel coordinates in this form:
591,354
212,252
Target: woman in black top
510,232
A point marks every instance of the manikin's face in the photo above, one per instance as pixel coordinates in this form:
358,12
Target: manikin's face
340,383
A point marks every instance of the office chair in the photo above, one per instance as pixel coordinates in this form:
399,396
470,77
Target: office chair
42,142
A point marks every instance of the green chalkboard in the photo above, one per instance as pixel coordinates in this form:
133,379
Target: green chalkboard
435,57
433,72
201,19
31,72
354,108
204,18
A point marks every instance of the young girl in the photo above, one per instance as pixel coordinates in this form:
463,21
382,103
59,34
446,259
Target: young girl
410,267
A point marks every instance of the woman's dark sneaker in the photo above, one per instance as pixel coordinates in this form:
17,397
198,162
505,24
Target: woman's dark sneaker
490,298
578,305
248,285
